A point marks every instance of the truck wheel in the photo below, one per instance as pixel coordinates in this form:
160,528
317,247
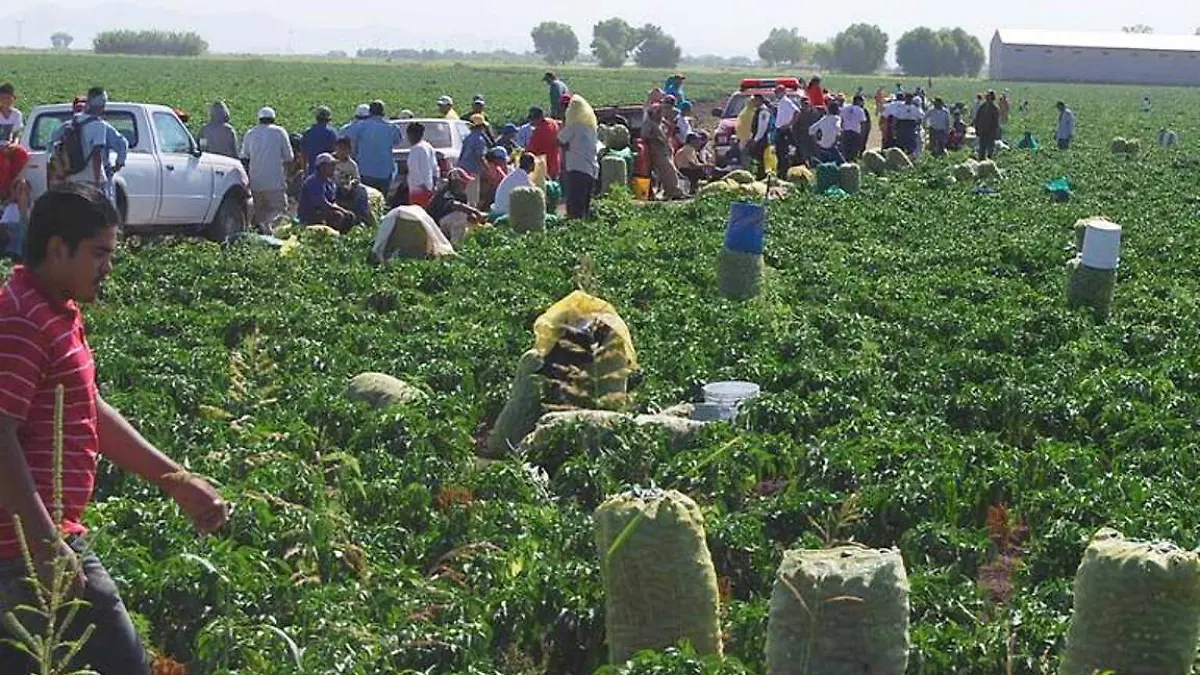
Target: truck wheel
231,218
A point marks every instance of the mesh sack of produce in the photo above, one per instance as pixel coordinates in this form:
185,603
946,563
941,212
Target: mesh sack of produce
660,586
382,390
618,137
1119,146
377,205
680,430
800,175
588,354
841,611
739,275
554,193
967,171
1137,609
850,177
987,170
1090,287
527,210
602,134
741,177
580,112
409,232
898,160
522,409
827,176
613,171
875,162
1133,147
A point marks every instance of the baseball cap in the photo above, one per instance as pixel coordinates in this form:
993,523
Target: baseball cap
479,99
323,113
498,152
266,113
323,159
509,128
363,111
445,100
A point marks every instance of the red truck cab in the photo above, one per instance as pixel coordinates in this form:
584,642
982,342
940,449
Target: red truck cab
737,101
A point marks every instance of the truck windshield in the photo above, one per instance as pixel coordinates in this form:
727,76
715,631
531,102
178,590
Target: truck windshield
437,133
737,103
44,126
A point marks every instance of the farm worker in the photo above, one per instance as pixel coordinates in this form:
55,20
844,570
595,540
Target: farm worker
987,126
518,177
269,151
449,207
43,344
374,139
958,130
318,138
674,87
683,123
826,132
14,196
100,141
405,114
760,133
1066,126
691,162
479,107
815,92
854,116
579,141
471,156
495,170
508,139
880,99
422,166
658,147
445,106
558,91
1167,138
906,118
544,140
218,136
1003,105
807,148
11,121
318,198
938,120
525,134
978,104
787,114
1028,142
1146,105
350,189
361,112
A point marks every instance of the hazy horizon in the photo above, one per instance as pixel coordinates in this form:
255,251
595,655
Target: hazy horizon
701,27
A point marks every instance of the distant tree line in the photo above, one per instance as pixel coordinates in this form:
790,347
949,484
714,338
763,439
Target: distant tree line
861,48
498,56
149,42
929,53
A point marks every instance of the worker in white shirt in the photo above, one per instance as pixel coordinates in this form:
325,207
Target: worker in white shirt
853,119
759,133
939,122
786,115
422,166
826,132
268,150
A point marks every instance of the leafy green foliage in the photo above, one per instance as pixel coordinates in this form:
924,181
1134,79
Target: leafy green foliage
555,41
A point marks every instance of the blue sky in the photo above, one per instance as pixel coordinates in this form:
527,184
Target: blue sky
724,27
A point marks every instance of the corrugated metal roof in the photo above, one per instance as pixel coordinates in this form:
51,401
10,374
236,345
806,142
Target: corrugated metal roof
1099,40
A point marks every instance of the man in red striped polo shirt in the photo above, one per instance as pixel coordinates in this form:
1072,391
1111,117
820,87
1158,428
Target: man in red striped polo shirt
43,345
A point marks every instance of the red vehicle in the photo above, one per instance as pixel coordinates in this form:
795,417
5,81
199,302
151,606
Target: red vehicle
727,116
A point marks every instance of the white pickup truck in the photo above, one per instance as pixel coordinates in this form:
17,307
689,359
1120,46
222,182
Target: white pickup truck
167,184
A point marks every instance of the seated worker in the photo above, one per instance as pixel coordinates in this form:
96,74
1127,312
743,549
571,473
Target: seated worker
14,200
495,170
318,198
450,208
690,162
518,177
351,193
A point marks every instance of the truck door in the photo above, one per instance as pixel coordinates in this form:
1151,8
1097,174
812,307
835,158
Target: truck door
187,183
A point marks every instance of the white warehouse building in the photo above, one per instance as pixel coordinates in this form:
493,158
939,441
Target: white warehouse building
1113,58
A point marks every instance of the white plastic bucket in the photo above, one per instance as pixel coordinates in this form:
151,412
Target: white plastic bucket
1102,245
730,393
713,412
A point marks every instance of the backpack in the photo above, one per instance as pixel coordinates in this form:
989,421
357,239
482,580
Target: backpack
67,157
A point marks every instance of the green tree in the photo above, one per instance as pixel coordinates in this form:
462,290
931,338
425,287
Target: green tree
612,40
823,57
784,46
149,42
656,49
61,40
556,42
925,52
861,49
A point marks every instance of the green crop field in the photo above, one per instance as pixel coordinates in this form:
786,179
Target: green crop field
913,344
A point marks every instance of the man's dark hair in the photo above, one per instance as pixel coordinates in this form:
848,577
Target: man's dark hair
377,108
342,141
94,92
72,212
415,131
834,108
536,113
528,162
7,88
549,76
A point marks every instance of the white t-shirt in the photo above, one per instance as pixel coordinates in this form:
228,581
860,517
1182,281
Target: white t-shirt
785,112
267,146
853,118
11,124
515,179
826,131
422,167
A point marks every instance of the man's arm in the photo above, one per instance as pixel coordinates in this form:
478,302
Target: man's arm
17,489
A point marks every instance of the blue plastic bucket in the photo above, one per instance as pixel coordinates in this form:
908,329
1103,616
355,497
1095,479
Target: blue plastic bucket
745,230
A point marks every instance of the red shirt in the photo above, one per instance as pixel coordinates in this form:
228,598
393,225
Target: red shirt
816,95
12,160
43,345
544,141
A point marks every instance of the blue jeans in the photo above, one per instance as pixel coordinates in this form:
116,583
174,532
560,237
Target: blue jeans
827,155
114,647
15,233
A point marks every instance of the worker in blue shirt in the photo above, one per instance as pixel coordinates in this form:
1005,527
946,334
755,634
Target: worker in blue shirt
374,139
318,138
100,141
